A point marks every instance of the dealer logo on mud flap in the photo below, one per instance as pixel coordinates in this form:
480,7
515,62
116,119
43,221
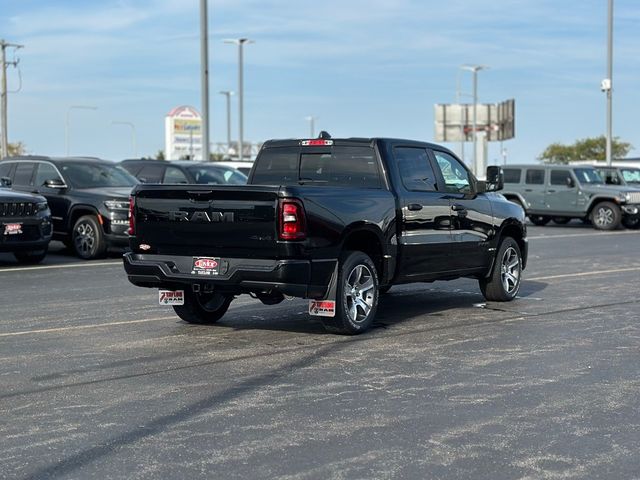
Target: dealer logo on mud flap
322,308
170,297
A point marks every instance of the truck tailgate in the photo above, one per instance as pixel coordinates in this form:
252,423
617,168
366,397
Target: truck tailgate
207,220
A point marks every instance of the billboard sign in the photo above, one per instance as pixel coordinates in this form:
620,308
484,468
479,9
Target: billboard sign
183,134
454,122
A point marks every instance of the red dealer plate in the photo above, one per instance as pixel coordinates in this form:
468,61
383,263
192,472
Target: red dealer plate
205,266
12,228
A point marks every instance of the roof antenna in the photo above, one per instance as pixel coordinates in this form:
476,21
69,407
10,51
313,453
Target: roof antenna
324,135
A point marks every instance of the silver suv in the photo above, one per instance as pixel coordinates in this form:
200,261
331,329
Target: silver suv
563,192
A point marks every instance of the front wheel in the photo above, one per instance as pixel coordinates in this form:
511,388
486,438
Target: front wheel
606,216
356,296
203,308
88,238
504,283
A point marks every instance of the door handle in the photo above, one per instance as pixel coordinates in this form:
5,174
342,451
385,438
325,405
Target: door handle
458,208
414,207
551,191
528,190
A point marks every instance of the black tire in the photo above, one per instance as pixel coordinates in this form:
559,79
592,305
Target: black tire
384,289
30,258
561,220
504,283
203,308
606,216
632,223
539,220
356,270
88,238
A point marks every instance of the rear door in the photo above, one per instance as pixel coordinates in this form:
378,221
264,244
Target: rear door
425,236
471,214
535,190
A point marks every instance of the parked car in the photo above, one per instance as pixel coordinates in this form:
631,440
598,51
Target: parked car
336,221
88,198
563,192
244,167
25,224
183,171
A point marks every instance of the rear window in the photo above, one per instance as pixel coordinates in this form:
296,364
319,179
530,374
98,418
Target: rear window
535,177
340,167
512,175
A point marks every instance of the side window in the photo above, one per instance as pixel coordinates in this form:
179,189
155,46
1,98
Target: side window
415,169
174,175
151,173
5,169
559,177
512,175
535,177
45,172
24,174
456,177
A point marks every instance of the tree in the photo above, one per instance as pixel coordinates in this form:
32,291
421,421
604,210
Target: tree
15,149
584,150
160,155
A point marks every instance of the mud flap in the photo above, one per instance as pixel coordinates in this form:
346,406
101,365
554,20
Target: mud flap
327,306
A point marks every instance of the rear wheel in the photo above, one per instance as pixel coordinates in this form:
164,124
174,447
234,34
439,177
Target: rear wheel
561,220
203,308
356,296
539,220
30,257
606,216
504,283
88,238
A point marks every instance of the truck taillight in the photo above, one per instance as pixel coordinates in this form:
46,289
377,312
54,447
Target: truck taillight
132,218
291,221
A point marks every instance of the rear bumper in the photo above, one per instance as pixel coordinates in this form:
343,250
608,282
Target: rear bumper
297,278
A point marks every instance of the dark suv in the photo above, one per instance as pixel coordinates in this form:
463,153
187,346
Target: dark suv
25,224
88,197
184,171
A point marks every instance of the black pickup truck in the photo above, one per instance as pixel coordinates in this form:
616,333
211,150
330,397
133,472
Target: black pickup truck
336,221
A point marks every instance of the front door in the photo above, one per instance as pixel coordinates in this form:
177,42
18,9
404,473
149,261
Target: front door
562,193
471,214
58,203
425,232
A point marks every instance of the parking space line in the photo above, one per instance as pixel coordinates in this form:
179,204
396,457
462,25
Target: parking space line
84,327
68,265
591,234
585,274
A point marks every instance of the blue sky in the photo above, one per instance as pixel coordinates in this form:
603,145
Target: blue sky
364,68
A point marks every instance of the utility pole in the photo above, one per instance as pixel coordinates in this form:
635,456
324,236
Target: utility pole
607,83
240,42
204,78
475,69
228,93
312,122
4,138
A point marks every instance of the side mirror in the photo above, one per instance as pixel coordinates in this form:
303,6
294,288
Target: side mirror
5,182
54,183
495,179
570,182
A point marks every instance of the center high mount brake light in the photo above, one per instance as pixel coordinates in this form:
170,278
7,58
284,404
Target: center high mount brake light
315,142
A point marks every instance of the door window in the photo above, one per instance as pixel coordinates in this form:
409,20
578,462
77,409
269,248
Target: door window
535,177
45,172
5,169
456,177
415,169
559,177
512,175
24,173
151,173
174,175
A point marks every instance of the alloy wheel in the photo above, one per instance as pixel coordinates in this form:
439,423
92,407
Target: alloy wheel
604,216
85,238
360,294
510,270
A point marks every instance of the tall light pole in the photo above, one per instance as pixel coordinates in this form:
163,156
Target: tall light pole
312,122
228,93
240,42
4,137
204,77
133,135
475,69
67,123
607,84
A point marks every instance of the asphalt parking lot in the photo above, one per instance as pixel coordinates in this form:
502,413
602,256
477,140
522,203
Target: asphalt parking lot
98,381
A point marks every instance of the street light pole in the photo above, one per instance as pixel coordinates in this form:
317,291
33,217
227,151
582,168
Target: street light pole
609,86
133,135
312,122
4,134
67,123
228,93
204,77
475,69
240,42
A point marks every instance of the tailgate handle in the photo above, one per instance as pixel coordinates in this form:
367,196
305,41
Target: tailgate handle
199,193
